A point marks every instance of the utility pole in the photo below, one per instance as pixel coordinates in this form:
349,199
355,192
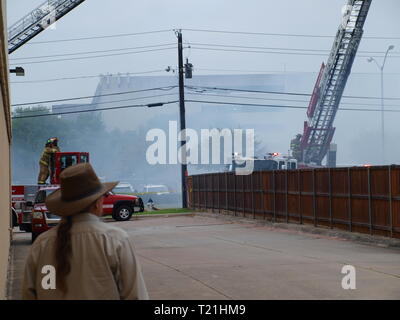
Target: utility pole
182,118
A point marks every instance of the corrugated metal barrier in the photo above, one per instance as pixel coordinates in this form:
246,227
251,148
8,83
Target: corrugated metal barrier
357,199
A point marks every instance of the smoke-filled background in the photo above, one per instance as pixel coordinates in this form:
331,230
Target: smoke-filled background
116,138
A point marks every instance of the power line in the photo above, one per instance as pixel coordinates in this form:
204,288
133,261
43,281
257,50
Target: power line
84,77
102,37
285,34
278,92
281,99
195,101
253,71
204,30
278,48
104,102
283,106
98,56
288,71
200,44
194,88
198,94
203,89
95,96
92,52
92,110
244,97
281,52
207,31
201,69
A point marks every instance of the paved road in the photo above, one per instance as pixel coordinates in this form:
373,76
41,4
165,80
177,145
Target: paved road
197,257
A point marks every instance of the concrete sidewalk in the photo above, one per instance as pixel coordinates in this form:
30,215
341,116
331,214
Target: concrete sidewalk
19,250
204,257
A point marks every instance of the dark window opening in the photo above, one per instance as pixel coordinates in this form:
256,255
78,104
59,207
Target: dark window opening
84,159
67,161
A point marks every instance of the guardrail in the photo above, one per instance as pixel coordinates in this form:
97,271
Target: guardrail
357,199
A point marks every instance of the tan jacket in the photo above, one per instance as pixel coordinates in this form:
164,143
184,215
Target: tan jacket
103,264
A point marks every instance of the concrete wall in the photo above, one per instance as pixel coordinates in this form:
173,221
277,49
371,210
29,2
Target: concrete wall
5,141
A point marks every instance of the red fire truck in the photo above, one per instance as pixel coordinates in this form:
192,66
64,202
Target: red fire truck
29,211
23,196
21,205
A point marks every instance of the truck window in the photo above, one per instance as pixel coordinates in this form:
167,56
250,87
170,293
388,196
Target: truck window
293,165
84,158
264,165
258,165
67,161
281,164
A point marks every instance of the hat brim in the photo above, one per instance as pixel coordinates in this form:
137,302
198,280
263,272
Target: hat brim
55,204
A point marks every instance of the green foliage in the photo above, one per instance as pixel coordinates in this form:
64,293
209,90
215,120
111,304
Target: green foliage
32,133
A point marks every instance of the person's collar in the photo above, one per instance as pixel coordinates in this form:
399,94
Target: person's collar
86,216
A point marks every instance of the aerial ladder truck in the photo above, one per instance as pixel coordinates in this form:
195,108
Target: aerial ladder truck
38,20
312,146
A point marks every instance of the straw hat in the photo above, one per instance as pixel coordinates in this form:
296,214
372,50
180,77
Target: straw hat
80,187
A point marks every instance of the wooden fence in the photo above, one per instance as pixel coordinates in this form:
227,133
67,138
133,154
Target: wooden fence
357,199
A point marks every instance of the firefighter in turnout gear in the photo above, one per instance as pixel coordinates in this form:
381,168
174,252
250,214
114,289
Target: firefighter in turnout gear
46,159
295,147
54,148
54,144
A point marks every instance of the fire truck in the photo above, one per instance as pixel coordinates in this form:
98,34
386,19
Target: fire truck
272,161
318,130
28,201
21,205
23,196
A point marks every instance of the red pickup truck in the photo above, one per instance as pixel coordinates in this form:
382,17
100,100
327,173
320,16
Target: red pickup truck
120,207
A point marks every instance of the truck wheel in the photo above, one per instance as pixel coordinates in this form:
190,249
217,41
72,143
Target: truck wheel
34,236
123,213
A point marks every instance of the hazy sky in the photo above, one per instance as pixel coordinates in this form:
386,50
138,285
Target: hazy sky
104,17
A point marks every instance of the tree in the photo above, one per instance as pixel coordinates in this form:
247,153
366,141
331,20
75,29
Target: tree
29,137
84,132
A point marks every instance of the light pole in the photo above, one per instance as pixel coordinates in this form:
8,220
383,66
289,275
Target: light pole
19,71
370,59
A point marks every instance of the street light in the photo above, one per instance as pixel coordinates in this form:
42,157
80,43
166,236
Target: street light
19,71
380,67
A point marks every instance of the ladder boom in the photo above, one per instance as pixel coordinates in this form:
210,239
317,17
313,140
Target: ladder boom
331,82
38,20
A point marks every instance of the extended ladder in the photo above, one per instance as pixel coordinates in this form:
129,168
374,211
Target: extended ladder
38,20
328,91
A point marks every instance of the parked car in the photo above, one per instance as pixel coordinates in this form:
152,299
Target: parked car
160,196
124,188
155,189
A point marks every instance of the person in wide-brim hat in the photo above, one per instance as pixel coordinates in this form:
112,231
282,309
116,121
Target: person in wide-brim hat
79,188
92,260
